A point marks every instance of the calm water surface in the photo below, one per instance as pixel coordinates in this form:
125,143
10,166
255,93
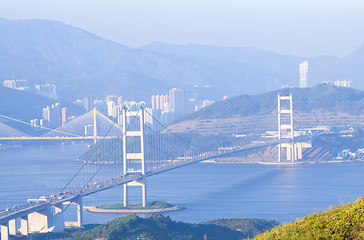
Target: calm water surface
208,191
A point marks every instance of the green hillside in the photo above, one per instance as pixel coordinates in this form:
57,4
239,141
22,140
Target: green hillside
341,222
321,97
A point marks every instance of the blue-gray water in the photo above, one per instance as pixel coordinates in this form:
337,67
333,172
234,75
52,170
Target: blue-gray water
208,191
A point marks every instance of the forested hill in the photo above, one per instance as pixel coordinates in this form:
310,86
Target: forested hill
321,97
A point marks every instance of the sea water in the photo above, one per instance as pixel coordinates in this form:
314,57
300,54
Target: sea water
206,190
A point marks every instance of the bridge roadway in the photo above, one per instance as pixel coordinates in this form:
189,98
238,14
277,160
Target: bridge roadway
22,210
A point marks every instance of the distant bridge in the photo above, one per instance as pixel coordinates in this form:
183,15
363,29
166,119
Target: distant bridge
91,126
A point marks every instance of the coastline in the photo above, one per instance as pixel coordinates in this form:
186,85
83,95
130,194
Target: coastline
95,209
280,163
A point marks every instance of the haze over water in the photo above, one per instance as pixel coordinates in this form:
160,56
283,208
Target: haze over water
208,191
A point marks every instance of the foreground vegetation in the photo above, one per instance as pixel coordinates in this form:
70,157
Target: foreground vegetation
249,227
341,222
159,227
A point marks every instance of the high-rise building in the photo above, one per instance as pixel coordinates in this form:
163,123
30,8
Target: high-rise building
52,116
154,102
55,114
46,113
111,109
304,74
64,115
160,102
88,103
176,101
120,101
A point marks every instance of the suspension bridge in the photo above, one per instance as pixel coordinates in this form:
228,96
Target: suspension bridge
126,156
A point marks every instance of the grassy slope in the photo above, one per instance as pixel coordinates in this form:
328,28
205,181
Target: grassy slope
341,222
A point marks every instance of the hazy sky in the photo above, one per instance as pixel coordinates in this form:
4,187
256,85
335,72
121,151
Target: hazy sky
305,28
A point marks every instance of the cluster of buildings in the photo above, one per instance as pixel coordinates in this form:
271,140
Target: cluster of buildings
176,103
169,106
53,116
47,90
304,78
347,155
343,83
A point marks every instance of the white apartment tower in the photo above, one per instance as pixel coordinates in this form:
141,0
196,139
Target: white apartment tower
304,74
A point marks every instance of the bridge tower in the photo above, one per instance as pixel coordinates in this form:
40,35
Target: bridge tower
95,126
291,147
134,156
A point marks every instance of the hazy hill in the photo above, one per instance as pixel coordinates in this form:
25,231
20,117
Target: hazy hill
322,105
321,97
78,62
282,69
26,105
81,63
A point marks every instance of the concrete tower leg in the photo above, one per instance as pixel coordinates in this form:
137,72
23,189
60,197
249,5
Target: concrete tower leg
5,231
144,192
57,224
126,195
299,150
79,222
12,227
289,154
279,152
24,228
79,212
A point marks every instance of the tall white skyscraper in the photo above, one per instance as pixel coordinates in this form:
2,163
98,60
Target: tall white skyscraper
176,101
304,74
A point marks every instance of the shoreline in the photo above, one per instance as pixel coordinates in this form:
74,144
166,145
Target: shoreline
95,209
281,163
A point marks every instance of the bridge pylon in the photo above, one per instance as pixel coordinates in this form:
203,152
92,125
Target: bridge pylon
288,127
137,156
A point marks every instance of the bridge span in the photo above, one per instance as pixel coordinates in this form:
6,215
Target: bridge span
145,150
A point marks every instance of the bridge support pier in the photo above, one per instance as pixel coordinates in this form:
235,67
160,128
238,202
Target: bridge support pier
24,227
298,148
5,231
40,221
78,223
12,227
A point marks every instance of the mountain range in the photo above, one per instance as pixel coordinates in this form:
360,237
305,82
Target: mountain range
82,64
